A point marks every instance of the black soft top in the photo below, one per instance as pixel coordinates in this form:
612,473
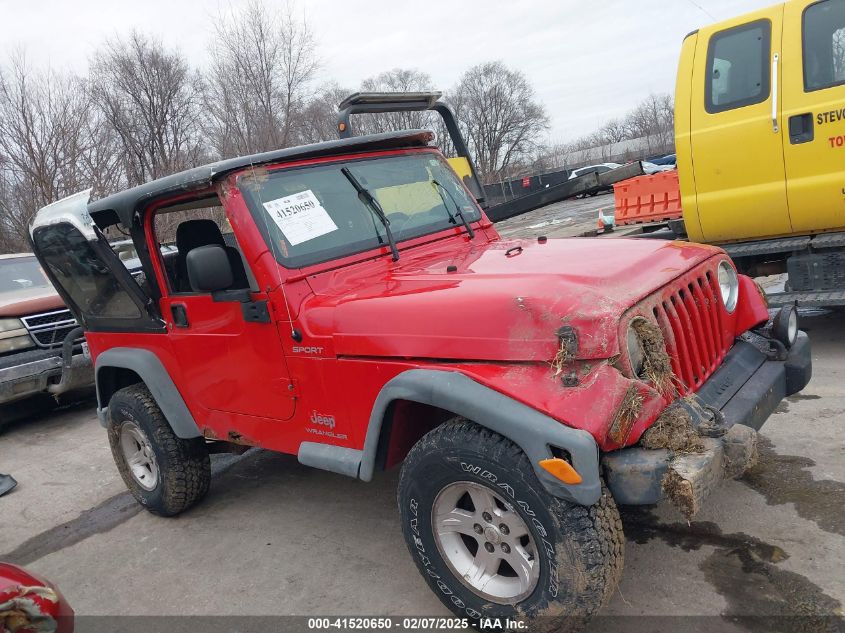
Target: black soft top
121,206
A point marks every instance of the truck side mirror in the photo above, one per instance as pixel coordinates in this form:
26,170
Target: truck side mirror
209,269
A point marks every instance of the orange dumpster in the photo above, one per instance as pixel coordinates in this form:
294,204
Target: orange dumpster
654,198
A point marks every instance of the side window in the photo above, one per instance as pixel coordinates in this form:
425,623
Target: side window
82,273
738,67
824,45
185,226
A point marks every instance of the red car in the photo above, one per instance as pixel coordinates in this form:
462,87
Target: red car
29,604
350,303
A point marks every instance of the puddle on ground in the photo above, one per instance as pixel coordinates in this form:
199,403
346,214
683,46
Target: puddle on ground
760,596
642,525
785,479
781,600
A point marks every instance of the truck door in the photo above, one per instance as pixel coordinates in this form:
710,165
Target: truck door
735,130
814,111
231,358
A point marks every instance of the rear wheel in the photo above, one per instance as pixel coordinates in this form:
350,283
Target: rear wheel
165,473
492,543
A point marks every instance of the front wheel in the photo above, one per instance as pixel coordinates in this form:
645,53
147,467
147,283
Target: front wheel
165,473
492,543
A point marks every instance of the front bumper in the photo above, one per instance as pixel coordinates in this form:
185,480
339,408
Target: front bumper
754,377
29,373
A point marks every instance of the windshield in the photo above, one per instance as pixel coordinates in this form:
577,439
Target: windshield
20,273
314,214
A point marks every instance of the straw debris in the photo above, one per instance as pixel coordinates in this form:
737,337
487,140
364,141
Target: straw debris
680,492
561,359
657,367
628,412
673,430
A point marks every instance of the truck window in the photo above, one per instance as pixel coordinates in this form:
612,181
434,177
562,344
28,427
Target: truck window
737,67
313,214
824,45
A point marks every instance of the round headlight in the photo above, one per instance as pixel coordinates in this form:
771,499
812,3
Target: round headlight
636,355
728,285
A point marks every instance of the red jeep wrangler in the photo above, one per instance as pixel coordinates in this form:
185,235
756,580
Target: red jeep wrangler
350,303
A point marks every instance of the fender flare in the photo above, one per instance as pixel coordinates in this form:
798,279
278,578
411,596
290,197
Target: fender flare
151,370
532,431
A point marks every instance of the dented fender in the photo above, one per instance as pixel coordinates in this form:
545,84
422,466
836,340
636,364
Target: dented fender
595,400
531,430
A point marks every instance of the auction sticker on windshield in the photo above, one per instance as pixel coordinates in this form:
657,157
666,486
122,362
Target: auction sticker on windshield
300,217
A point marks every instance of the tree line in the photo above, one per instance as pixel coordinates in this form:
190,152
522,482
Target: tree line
142,111
651,122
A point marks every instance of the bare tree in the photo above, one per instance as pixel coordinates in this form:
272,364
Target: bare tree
51,145
501,119
263,61
614,131
556,155
149,96
319,118
396,80
649,126
653,120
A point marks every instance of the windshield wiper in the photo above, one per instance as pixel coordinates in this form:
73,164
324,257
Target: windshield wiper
440,189
367,198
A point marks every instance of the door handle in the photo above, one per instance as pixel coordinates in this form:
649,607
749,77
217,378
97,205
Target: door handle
801,128
775,59
180,314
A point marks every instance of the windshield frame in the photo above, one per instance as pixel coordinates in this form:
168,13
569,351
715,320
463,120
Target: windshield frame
370,251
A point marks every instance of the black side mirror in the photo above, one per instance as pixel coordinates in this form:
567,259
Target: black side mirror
209,269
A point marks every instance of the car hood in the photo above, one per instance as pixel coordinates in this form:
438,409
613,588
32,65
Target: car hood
501,301
25,301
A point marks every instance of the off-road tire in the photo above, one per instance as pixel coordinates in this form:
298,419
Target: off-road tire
581,556
183,464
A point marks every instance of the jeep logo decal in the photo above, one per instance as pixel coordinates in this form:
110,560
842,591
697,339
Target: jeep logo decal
324,420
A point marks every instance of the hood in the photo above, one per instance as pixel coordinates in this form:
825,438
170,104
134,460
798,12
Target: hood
501,301
25,301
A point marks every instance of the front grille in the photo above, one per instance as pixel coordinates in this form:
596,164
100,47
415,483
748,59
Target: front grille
690,317
49,329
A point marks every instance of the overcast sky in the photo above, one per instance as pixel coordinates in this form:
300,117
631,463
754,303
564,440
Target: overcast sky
588,60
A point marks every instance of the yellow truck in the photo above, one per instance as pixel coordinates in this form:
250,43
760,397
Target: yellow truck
760,140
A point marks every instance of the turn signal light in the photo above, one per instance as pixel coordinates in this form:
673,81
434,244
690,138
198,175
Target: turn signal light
561,469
